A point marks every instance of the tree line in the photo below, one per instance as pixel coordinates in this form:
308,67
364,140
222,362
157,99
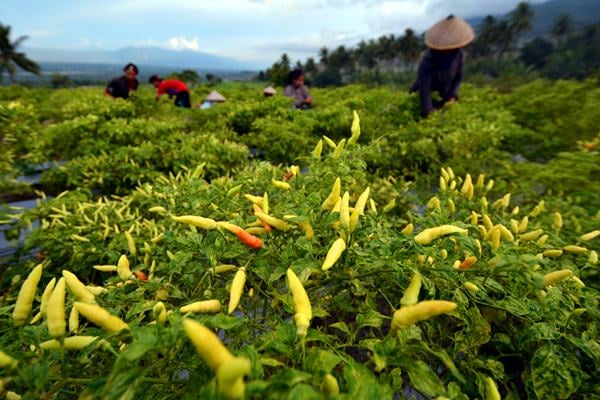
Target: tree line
561,53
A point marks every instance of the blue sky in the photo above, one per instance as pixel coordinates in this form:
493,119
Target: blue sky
250,30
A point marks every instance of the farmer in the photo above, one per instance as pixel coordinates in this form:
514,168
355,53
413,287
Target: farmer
269,91
172,87
441,67
297,90
212,99
123,86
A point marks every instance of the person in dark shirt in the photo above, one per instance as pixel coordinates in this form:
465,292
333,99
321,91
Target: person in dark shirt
441,67
172,87
123,86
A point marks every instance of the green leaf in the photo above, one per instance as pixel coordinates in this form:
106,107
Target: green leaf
342,326
223,321
537,332
320,361
476,333
287,378
424,379
371,318
362,384
303,392
555,372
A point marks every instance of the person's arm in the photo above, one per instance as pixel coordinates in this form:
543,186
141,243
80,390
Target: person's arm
458,77
160,90
135,86
424,80
108,90
307,99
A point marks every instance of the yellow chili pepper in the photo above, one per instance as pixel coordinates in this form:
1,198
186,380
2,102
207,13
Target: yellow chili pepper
523,224
552,253
200,222
55,312
74,320
338,149
333,196
471,287
316,153
593,258
533,235
205,306
230,369
355,128
408,229
280,184
274,222
69,343
237,287
344,211
123,268
557,276
421,311
26,295
99,316
491,390
575,249
234,190
557,221
302,305
7,361
44,301
78,289
330,385
411,294
429,235
334,253
589,236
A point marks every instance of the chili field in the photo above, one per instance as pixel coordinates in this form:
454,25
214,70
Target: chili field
351,251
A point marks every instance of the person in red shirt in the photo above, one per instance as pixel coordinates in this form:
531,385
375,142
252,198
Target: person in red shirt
172,87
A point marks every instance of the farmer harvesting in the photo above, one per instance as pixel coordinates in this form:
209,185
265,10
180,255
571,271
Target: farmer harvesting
441,67
123,86
297,90
172,87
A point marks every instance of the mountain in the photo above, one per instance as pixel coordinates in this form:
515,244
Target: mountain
583,12
155,56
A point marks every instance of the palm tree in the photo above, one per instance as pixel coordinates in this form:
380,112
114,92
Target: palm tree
323,55
285,61
562,27
521,18
409,47
10,58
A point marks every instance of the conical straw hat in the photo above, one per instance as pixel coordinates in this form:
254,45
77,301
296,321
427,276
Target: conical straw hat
269,90
214,96
450,33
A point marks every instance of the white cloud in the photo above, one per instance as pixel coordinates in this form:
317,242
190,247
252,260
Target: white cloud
183,43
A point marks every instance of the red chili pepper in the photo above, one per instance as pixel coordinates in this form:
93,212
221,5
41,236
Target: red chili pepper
249,240
140,275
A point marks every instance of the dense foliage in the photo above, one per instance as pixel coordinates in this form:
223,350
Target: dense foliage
523,185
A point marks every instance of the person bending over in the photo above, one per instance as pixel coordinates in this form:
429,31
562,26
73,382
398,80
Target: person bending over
441,67
172,87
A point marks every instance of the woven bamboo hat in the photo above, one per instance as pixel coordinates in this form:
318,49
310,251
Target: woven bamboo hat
270,90
215,97
450,33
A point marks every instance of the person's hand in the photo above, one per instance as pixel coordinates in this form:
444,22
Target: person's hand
307,100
